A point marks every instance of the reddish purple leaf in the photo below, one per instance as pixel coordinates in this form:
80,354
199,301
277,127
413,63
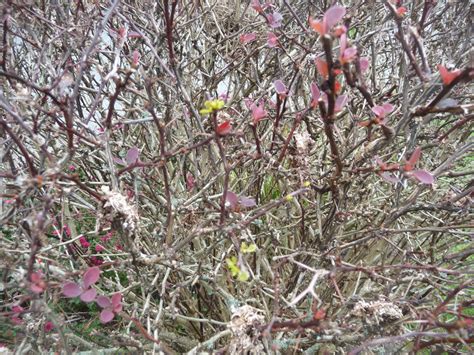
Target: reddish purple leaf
103,301
387,108
88,295
333,15
116,299
448,76
315,95
36,288
231,199
424,176
280,87
117,302
224,128
258,113
132,155
247,201
71,290
36,276
91,276
364,63
413,159
379,111
272,40
340,103
247,37
349,54
389,177
274,19
106,316
120,161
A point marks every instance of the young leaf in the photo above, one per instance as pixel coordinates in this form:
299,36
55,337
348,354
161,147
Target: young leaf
364,63
71,290
224,128
246,248
448,76
333,15
106,316
117,300
272,40
258,113
274,19
322,67
246,201
280,87
424,176
103,301
91,276
132,155
88,295
247,37
231,199
340,103
315,95
413,159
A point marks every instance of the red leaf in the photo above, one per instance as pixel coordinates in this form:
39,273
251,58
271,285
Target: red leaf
322,67
257,6
448,76
317,26
247,38
424,176
319,314
413,159
71,290
91,276
135,58
224,128
89,295
401,10
48,326
272,40
116,299
106,316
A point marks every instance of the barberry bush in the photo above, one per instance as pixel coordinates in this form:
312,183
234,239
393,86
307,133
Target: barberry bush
233,176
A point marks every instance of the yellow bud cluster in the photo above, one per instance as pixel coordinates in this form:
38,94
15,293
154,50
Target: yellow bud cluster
211,106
